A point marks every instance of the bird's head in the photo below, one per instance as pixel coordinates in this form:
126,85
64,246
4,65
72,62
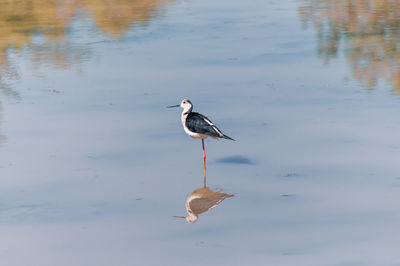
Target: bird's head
185,104
191,218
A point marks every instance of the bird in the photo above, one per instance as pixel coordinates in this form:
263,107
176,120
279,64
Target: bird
198,126
201,200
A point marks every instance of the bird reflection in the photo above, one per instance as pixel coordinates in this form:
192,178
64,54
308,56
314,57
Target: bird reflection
201,200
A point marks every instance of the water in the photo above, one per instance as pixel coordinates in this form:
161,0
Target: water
93,165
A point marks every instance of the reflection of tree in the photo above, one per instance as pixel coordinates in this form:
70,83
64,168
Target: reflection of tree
114,17
369,30
21,20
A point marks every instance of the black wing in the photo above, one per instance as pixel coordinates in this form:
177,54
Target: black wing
198,123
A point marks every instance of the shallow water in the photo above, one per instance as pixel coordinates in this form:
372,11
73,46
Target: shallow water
93,165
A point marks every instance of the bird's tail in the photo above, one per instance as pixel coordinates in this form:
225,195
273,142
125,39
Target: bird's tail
226,137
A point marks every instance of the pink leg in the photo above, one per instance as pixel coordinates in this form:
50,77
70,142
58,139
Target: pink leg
204,161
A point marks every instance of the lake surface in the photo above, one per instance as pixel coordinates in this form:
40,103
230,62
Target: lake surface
93,166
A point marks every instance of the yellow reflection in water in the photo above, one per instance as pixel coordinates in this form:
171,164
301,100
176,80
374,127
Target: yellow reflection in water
202,200
20,20
116,16
367,30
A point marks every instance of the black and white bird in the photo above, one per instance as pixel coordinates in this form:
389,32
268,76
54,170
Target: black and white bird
198,126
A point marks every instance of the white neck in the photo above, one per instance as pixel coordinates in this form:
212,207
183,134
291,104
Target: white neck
187,109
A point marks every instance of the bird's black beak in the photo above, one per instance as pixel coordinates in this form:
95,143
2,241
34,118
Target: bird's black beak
172,106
